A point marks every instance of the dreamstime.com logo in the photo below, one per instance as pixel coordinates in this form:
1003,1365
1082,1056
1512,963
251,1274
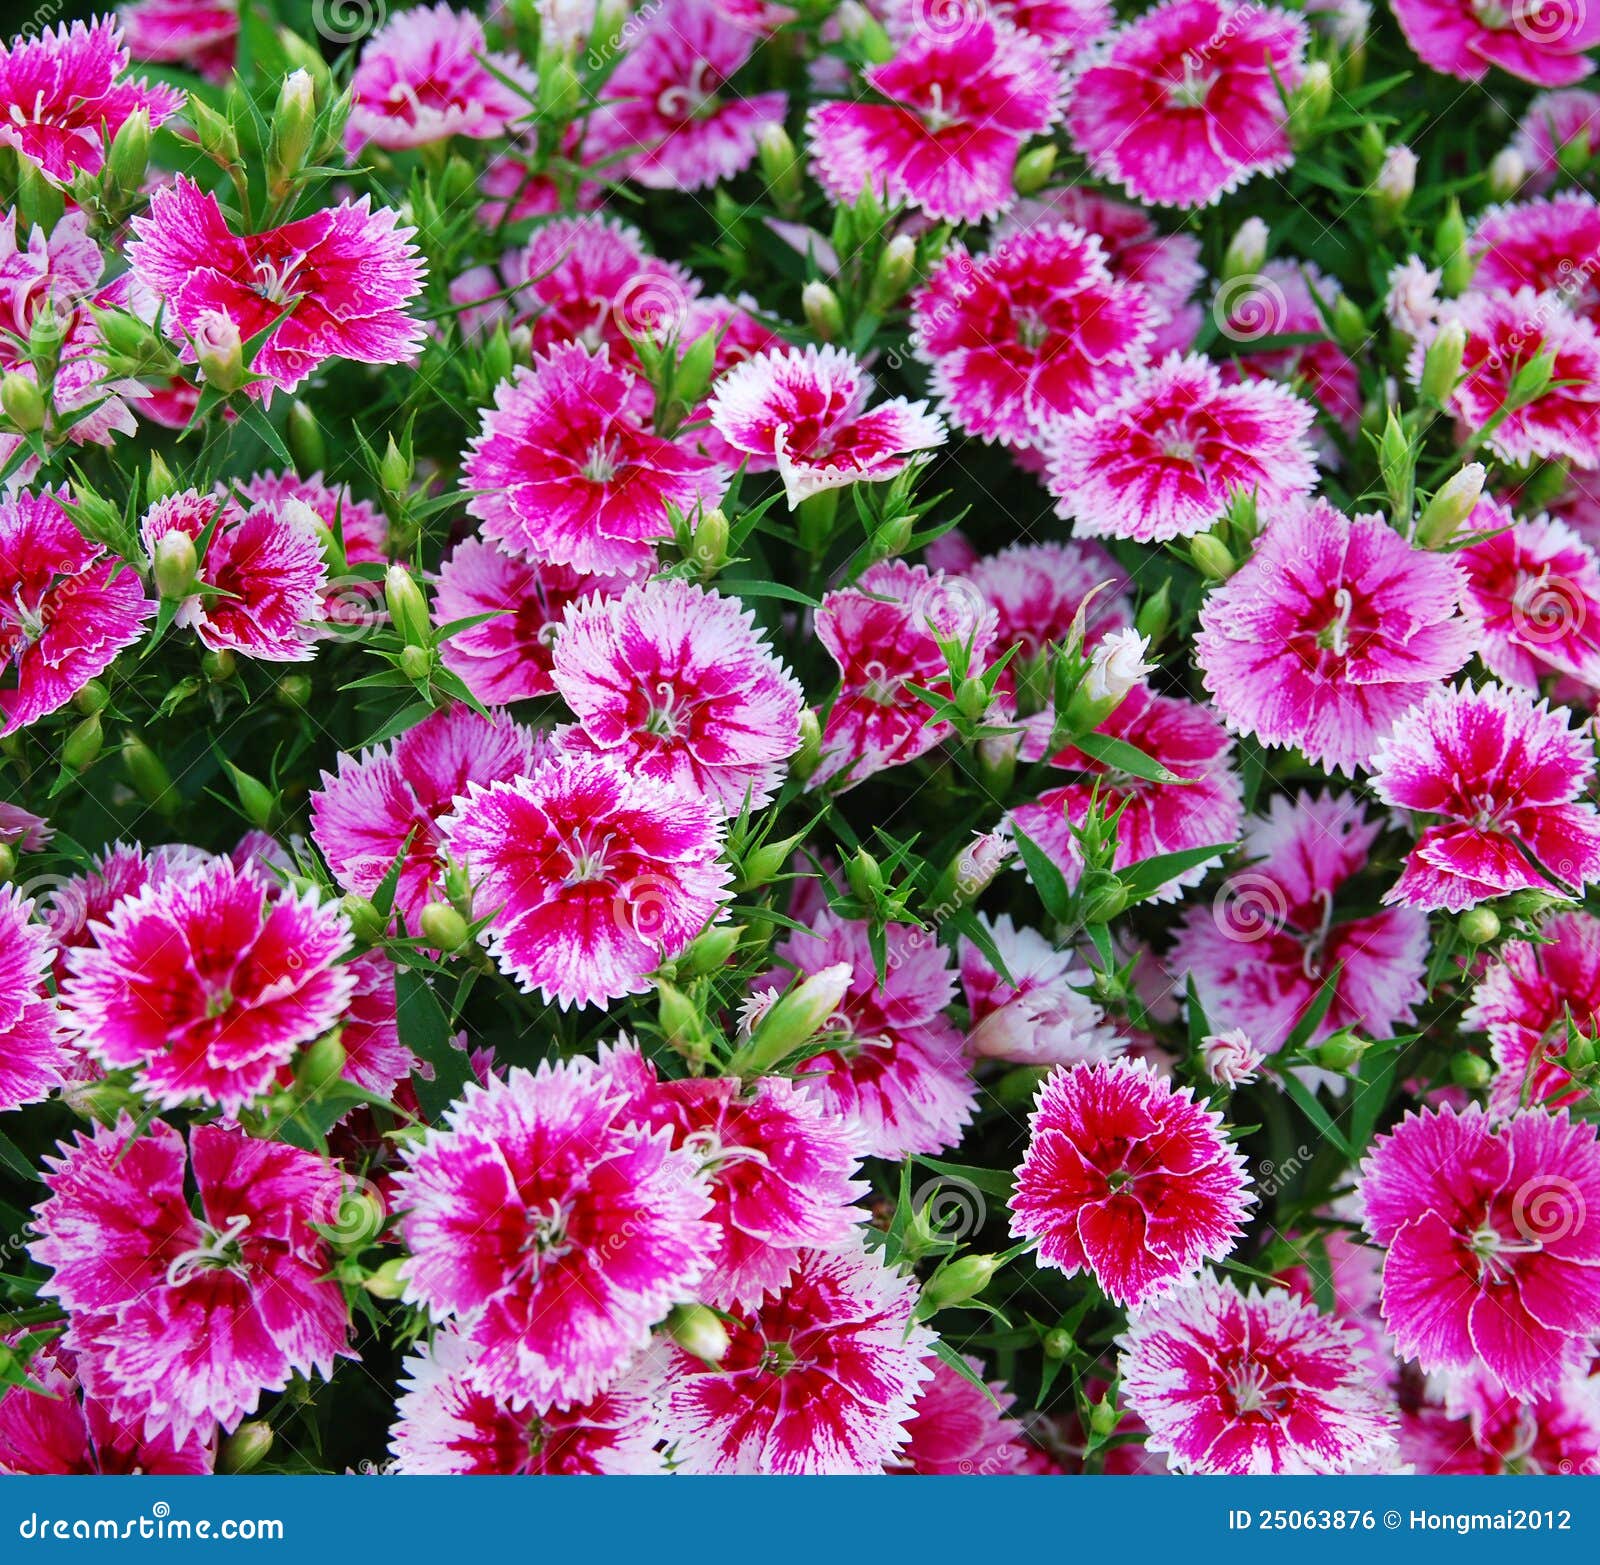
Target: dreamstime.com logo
159,1523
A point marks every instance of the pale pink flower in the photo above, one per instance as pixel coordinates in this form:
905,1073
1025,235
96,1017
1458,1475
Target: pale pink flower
1482,1430
821,1379
202,34
803,411
1231,1059
673,681
959,1429
1167,457
1553,120
1412,301
428,74
1257,1382
1332,629
1037,591
1541,43
1185,103
1505,774
554,1229
594,876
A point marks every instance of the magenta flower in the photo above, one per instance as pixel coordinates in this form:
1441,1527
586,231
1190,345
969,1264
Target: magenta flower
33,1061
202,34
802,410
1548,246
1037,590
392,800
1167,457
1065,27
1524,999
63,97
1553,120
666,117
963,97
1262,951
58,1429
66,608
1129,1179
1040,1013
780,1168
445,1425
673,681
821,1379
1252,1383
1541,43
259,587
1185,103
1333,629
1505,333
182,1318
363,529
897,1075
565,470
555,1230
206,985
884,634
1035,330
1533,593
1493,1240
340,280
1157,818
428,74
594,876
1502,773
962,1430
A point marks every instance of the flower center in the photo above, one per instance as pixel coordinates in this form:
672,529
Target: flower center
220,1250
1491,14
1032,332
600,467
219,1001
660,721
1334,637
588,861
275,279
1253,1392
695,99
546,1238
1190,92
778,1359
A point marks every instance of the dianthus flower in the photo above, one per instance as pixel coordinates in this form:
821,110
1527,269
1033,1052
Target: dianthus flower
1551,246
1541,43
33,1060
958,1429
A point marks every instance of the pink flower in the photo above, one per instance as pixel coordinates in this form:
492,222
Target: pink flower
567,472
1035,330
1066,27
207,985
1412,303
962,99
391,800
57,1429
1129,1179
1493,1239
1553,120
554,1229
1504,773
780,1168
802,410
821,1379
23,830
1037,590
180,1317
884,635
594,876
1524,1000
1483,1431
1549,246
33,1061
507,658
1463,38
1249,1383
1157,818
1185,103
85,899
260,582
66,608
1506,332
962,1430
340,280
1165,459
445,1425
1533,591
360,526
202,34
673,681
1230,1059
1332,629
666,117
428,74
1262,951
62,99
1041,1013
897,1075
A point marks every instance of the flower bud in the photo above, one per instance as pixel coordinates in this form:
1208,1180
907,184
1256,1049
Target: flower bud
294,120
958,1281
219,666
129,156
1310,101
1574,156
1450,250
1247,250
820,306
806,759
1034,169
1116,665
257,802
81,747
1531,380
1452,503
386,1281
219,351
1479,925
1396,182
864,32
246,1448
560,91
1103,1419
699,1332
322,1064
1507,171
1470,1070
1057,1344
1101,897
174,564
22,401
896,265
304,437
794,1020
442,927
710,950
972,699
1212,557
1441,364
1349,324
150,778
293,690
780,164
366,922
892,536
1341,1051
408,606
1231,1059
1154,618
709,546
394,469
1397,464
8,862
214,132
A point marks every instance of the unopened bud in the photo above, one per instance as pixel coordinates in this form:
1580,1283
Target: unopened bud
897,263
959,1281
1395,183
1101,897
246,1448
699,1332
1507,171
1103,1419
294,120
1349,323
710,950
780,163
386,1282
1310,101
1212,557
257,802
1034,169
442,927
864,32
408,606
174,564
366,922
93,696
304,436
22,402
1452,503
820,305
129,156
1154,618
1441,364
219,351
81,747
323,1063
809,755
795,1018
1247,250
394,469
1470,1070
1479,925
1341,1052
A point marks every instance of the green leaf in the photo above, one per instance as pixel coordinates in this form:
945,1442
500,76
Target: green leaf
1148,876
1314,1111
425,1029
1121,756
1047,879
